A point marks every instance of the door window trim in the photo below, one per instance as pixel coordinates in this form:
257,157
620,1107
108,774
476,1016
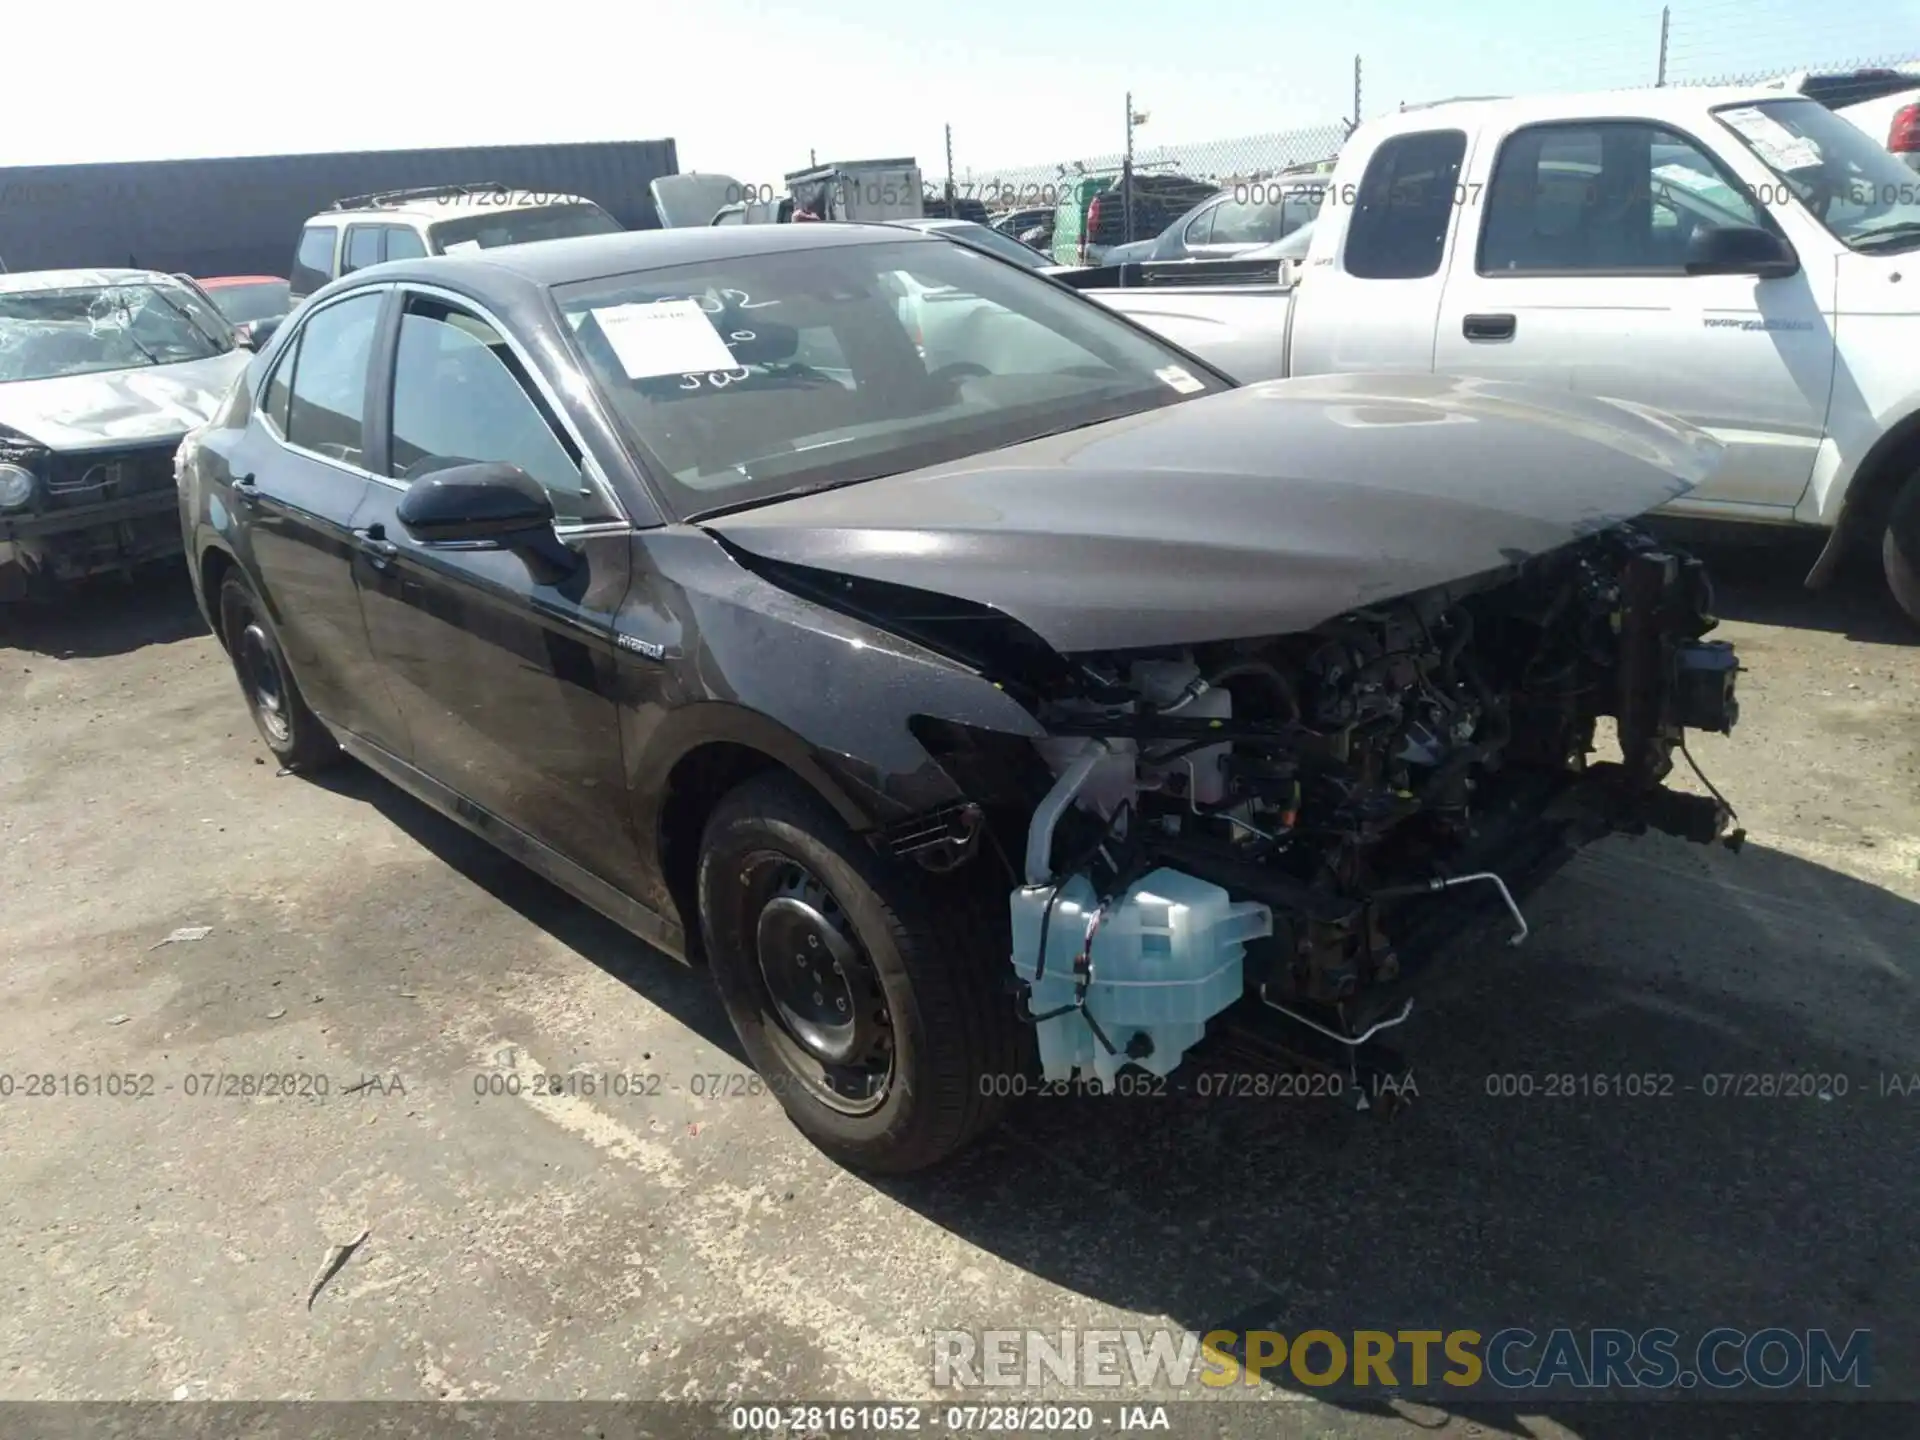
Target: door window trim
291,352
1625,272
590,468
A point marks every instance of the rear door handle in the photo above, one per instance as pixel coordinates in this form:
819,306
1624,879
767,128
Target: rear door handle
1488,327
379,550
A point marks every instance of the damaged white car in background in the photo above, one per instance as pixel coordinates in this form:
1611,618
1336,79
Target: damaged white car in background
102,373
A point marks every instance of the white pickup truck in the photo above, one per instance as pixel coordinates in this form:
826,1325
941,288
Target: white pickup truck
1742,258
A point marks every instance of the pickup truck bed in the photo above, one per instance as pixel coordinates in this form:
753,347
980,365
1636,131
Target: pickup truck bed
1232,315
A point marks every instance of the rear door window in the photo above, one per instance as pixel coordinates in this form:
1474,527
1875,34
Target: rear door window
327,403
1244,222
404,243
313,261
1404,206
363,247
1200,227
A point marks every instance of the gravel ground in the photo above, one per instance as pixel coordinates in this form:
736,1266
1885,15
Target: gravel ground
682,1242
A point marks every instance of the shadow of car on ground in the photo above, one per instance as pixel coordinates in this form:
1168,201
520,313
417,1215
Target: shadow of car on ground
106,615
1760,579
1507,1193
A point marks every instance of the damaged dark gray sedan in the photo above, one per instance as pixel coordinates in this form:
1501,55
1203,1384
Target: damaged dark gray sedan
102,372
981,725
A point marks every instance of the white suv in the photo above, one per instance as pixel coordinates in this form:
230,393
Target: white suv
405,224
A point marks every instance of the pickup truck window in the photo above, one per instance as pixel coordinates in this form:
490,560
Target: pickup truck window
1604,197
1400,216
1865,196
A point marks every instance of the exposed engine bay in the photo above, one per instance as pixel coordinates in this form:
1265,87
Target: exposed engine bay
1277,821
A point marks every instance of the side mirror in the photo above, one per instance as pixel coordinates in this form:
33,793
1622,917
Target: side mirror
1740,250
475,503
254,334
488,506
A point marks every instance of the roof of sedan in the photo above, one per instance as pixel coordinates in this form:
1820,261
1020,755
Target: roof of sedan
27,281
587,257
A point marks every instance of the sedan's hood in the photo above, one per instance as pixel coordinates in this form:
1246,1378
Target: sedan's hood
1261,511
113,407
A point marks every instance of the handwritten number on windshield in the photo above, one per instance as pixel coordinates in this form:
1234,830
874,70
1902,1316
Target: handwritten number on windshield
718,302
715,379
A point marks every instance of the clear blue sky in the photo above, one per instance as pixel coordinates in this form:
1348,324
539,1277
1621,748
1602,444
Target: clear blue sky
747,88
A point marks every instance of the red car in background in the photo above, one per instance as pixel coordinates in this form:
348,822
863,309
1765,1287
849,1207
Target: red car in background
253,304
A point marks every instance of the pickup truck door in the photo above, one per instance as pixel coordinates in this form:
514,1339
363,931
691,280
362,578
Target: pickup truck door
1370,297
1572,274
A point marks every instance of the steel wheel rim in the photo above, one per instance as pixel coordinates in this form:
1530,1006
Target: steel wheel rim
266,685
831,1019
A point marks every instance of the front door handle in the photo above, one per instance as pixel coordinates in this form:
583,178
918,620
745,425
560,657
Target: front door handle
244,491
1488,327
373,541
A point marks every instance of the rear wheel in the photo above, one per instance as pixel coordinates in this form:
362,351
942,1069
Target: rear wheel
863,992
292,731
1901,561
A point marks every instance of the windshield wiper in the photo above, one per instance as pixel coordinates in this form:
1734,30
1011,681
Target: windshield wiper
134,340
1908,230
187,315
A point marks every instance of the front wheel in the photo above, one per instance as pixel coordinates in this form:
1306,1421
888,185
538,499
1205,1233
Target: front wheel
292,732
865,994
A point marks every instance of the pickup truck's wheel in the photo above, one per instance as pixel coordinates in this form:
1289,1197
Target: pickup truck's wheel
869,1008
292,731
1902,563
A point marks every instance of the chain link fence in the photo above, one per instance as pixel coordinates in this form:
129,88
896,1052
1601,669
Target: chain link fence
1209,166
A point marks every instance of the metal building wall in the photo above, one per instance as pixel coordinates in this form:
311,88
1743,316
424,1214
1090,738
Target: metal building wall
242,216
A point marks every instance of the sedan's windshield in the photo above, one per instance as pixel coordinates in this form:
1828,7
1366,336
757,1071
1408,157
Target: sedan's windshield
760,376
47,333
1867,198
489,228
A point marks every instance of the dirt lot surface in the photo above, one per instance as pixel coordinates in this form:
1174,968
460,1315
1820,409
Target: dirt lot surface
683,1242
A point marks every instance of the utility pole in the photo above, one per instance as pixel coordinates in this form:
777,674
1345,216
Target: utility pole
1356,96
1126,172
950,211
1666,16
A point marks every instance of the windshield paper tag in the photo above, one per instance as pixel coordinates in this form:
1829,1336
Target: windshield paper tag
1776,144
668,337
461,245
1179,379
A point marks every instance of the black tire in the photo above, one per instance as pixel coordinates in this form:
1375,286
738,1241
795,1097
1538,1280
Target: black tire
292,732
1902,567
933,953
